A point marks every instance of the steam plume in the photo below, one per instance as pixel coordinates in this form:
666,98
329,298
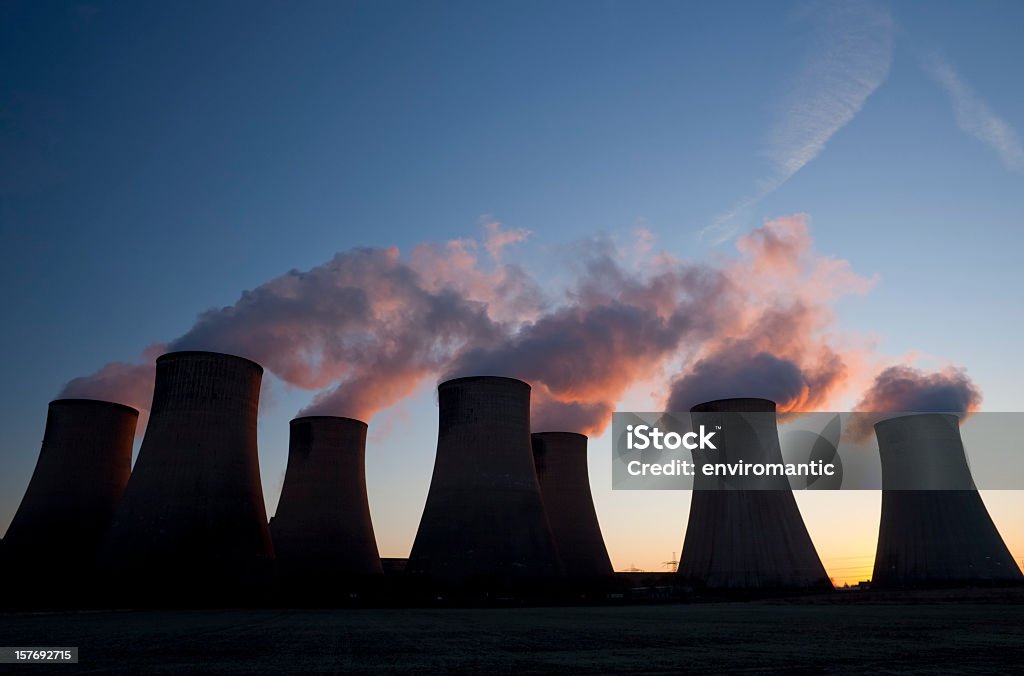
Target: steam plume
904,389
364,329
778,339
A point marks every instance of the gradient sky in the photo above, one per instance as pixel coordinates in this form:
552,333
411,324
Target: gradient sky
157,159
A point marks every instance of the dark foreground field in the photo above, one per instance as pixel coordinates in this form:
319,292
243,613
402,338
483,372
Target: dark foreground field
980,634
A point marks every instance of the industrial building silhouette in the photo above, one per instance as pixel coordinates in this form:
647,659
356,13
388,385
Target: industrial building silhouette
560,459
192,518
934,527
506,509
80,475
484,518
322,531
749,535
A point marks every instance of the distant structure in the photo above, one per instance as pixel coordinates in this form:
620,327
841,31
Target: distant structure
746,534
940,533
81,473
484,519
394,566
561,462
322,530
192,518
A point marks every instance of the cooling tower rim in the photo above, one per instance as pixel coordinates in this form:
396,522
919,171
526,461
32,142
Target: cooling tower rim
897,418
466,379
733,405
86,401
559,433
168,356
341,418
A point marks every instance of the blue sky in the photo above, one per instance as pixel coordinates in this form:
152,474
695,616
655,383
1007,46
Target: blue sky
158,159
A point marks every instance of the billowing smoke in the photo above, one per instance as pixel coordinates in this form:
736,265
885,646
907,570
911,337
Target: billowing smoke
778,339
614,328
364,329
905,389
119,381
122,382
723,376
367,323
364,321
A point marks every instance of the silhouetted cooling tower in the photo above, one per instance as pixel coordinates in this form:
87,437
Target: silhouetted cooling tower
561,462
192,516
746,538
81,473
926,536
484,517
322,530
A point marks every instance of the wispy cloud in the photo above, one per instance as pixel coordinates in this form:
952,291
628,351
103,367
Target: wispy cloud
975,117
848,58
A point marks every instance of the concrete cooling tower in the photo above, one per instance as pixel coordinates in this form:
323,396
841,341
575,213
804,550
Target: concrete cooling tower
484,517
192,517
746,534
938,536
81,473
561,462
322,530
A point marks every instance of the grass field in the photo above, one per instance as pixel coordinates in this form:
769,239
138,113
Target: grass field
901,633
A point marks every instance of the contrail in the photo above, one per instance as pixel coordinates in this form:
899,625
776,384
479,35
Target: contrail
848,59
975,117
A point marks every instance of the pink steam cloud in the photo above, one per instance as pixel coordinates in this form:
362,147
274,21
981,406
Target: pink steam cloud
125,383
363,329
906,389
779,340
366,328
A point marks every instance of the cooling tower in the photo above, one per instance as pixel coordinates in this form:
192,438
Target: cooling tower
81,473
942,536
738,537
484,517
322,530
192,517
561,462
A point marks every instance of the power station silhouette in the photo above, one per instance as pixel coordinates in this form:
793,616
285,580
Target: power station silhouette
322,531
192,518
561,462
934,526
81,473
750,534
506,509
484,519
